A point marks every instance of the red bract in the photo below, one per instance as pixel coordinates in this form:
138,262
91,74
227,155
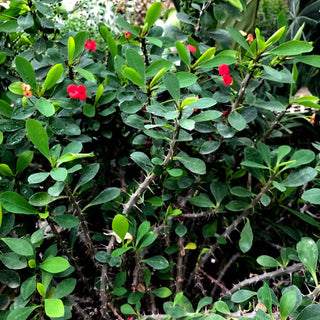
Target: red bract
223,69
249,37
77,92
91,45
227,79
225,112
192,48
127,34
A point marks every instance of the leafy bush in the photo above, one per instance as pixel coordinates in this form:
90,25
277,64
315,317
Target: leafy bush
151,174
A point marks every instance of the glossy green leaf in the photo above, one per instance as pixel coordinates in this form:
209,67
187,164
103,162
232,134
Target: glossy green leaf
45,107
28,287
120,226
53,76
26,71
242,296
312,195
14,261
310,312
55,264
238,37
267,261
162,292
127,26
195,165
203,103
312,60
308,254
237,121
66,221
157,262
172,85
88,173
287,304
9,26
135,61
221,307
24,160
71,49
142,230
153,14
299,177
38,177
5,170
79,40
201,201
301,157
182,52
59,174
127,309
246,237
15,203
64,288
86,74
105,196
21,313
142,160
19,246
292,48
133,76
54,308
38,136
206,56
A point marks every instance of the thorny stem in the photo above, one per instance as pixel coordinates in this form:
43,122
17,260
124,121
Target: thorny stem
180,266
70,258
144,51
233,226
147,181
83,224
103,283
115,311
242,90
266,276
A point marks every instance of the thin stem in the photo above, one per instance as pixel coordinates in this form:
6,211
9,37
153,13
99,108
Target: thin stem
242,90
180,266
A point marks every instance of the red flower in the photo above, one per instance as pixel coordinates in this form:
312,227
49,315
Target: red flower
192,48
227,79
223,69
127,34
249,37
91,45
77,92
225,112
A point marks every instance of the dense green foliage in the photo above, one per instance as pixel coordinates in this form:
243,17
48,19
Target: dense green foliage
155,175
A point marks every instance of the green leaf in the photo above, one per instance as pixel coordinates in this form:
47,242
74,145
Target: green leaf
182,52
246,237
238,37
54,308
133,76
142,230
275,75
71,50
38,177
209,147
236,3
252,164
186,79
220,306
126,26
241,192
142,160
68,157
203,103
282,152
25,21
26,71
207,115
64,288
24,160
120,226
301,157
19,246
88,173
311,60
162,292
267,261
237,121
291,48
38,136
9,26
53,76
172,85
205,301
242,296
275,37
287,304
99,94
66,221
120,251
86,74
28,287
21,313
312,195
299,177
5,108
206,56
15,203
157,66
127,309
157,262
264,294
153,14
195,165
79,40
105,196
238,205
311,312
3,57
136,62
59,174
41,199
45,107
5,170
201,201
308,254
55,264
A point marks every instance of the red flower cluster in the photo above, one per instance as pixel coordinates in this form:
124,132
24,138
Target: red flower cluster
91,45
250,38
191,48
77,92
224,72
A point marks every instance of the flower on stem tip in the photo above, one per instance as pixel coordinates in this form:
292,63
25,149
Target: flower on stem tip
127,34
26,90
191,48
77,92
250,38
91,45
227,80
